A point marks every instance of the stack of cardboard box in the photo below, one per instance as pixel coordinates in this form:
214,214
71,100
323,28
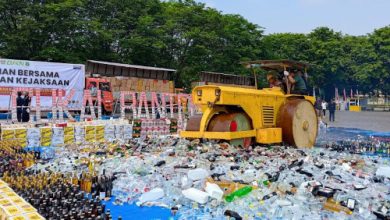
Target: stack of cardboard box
140,85
14,207
46,134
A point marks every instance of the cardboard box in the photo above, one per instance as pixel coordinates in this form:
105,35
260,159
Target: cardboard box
22,142
79,131
99,137
46,141
57,140
91,138
68,131
57,131
20,133
7,134
33,133
68,139
100,129
33,143
46,132
90,129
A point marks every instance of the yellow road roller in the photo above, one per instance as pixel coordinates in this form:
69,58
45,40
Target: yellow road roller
244,116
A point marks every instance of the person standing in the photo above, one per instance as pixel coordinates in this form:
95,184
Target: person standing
323,105
19,106
26,108
318,107
332,109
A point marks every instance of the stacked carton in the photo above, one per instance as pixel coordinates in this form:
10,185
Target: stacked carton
119,132
99,135
21,136
128,132
58,136
79,134
46,134
90,133
109,132
14,207
69,135
8,134
140,85
33,137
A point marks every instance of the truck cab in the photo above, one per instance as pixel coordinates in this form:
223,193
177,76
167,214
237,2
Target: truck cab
94,84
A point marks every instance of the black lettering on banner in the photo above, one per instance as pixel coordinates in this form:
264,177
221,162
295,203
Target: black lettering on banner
2,79
48,82
25,72
56,75
66,82
5,72
43,74
49,74
25,80
10,79
12,72
42,81
36,81
30,81
36,73
20,72
30,73
19,80
54,82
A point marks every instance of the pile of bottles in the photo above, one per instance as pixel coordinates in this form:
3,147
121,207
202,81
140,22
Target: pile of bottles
13,157
374,146
206,180
60,196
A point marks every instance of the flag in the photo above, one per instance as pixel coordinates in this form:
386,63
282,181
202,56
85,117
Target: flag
345,95
314,92
351,93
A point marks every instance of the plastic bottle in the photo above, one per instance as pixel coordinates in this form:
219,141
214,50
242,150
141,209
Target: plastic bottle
197,174
196,195
214,191
152,195
239,193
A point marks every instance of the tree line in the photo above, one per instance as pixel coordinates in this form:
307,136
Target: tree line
187,36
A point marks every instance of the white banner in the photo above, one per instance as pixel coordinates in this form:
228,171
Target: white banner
44,75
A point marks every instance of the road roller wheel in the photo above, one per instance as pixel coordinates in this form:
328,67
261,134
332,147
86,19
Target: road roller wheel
298,121
193,123
231,122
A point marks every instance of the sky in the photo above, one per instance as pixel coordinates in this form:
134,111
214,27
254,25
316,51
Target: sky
353,17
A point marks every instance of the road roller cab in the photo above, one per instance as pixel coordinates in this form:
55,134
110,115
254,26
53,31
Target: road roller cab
243,116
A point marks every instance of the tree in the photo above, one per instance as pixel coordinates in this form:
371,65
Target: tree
380,40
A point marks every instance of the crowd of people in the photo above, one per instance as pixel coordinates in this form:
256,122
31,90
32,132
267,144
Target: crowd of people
23,102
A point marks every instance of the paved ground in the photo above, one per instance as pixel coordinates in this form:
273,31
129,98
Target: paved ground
375,121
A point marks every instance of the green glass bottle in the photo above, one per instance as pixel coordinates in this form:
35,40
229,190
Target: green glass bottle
238,193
